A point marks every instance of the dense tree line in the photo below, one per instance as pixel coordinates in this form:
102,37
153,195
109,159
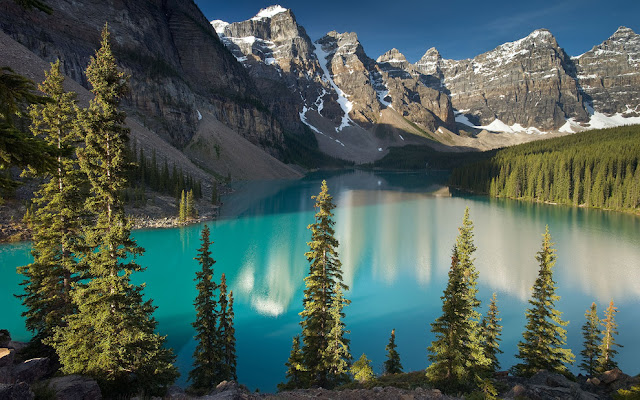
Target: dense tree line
594,169
149,172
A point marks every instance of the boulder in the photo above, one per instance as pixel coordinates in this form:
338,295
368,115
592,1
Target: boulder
6,357
75,387
6,375
19,391
32,370
17,346
5,337
612,376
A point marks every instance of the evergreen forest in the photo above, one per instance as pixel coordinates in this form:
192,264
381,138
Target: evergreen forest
599,169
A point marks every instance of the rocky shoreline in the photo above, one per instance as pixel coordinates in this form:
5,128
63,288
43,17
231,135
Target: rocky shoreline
27,379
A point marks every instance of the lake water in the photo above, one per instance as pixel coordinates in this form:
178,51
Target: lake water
396,232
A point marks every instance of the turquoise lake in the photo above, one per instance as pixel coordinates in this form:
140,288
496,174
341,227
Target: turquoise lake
396,232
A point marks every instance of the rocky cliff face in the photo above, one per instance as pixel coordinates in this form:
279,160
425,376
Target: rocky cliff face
609,74
530,82
176,61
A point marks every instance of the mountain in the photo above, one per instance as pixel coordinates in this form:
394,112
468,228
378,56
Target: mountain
186,88
530,85
201,86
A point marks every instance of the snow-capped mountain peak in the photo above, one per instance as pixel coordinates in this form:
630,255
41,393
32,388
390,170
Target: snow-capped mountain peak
269,12
219,25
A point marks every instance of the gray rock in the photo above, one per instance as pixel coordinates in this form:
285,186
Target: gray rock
17,346
32,370
75,387
6,356
19,391
6,375
5,337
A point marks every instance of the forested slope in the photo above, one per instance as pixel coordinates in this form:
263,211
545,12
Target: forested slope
592,169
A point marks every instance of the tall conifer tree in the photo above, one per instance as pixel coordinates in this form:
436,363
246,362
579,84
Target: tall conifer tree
392,365
112,337
56,223
226,333
590,333
607,347
545,336
490,333
295,368
207,356
323,286
457,354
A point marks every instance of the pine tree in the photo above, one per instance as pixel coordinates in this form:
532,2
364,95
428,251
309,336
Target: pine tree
56,223
590,333
607,350
361,369
392,365
457,353
477,361
18,148
190,208
112,337
182,208
450,351
337,355
295,368
226,333
207,356
323,285
544,336
490,333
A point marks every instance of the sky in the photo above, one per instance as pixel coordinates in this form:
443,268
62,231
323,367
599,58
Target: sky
459,29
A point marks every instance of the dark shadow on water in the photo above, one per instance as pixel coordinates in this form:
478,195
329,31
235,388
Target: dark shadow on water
289,196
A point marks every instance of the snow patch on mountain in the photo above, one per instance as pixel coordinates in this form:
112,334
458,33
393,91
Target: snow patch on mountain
219,25
269,12
343,101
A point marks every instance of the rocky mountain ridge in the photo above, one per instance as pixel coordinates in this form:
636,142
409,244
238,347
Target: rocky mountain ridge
530,85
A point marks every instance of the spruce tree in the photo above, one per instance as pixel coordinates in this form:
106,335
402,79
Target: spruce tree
112,337
457,354
56,223
190,208
323,285
182,208
490,333
361,369
18,148
607,347
226,333
392,365
545,336
295,368
590,333
207,356
450,351
337,355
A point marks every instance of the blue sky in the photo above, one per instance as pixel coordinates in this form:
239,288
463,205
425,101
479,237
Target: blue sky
458,29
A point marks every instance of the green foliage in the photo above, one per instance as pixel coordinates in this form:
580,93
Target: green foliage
608,344
361,369
456,353
18,148
325,349
112,336
392,365
56,223
215,354
490,331
544,336
207,355
590,333
632,393
226,332
598,168
295,368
